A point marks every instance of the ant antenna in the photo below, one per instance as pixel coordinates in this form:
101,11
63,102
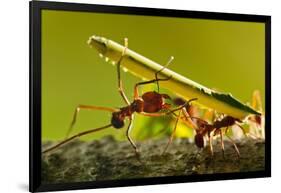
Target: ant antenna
74,137
190,100
156,74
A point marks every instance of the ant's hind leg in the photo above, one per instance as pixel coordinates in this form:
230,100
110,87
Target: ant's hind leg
222,143
129,137
235,146
85,107
211,145
120,84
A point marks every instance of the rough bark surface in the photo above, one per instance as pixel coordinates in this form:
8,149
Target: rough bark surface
108,159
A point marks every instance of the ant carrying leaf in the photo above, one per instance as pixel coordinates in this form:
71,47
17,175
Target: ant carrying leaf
148,104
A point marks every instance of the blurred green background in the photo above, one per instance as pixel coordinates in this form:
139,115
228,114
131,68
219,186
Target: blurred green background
225,55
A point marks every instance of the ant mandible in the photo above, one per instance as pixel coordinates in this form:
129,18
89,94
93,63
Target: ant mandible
148,104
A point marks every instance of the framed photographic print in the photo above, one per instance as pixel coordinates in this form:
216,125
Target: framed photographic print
124,96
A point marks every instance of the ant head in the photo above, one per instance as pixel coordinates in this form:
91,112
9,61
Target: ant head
199,140
137,105
117,120
256,119
179,101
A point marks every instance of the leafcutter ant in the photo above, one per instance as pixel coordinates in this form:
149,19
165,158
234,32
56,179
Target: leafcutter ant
148,104
203,128
211,130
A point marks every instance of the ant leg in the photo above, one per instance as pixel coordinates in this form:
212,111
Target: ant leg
85,107
211,145
172,135
136,92
247,134
74,137
235,146
129,137
222,143
156,74
163,113
154,114
188,118
120,84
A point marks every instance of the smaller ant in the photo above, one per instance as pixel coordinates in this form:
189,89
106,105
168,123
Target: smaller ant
203,128
148,104
210,130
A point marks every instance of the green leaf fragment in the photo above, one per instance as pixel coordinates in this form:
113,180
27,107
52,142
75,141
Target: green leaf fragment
145,68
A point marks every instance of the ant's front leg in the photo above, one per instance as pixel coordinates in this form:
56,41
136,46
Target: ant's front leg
120,84
136,92
245,133
86,107
129,137
156,74
74,137
221,140
156,80
173,133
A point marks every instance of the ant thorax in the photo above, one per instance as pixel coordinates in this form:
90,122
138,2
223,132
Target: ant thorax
137,105
225,122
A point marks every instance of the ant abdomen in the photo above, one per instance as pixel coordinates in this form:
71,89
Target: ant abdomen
117,120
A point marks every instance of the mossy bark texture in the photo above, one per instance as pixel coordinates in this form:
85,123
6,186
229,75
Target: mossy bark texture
108,159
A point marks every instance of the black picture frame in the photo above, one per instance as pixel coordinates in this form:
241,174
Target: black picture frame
35,94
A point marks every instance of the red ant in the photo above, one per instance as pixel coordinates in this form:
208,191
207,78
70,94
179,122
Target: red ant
210,130
148,104
203,128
